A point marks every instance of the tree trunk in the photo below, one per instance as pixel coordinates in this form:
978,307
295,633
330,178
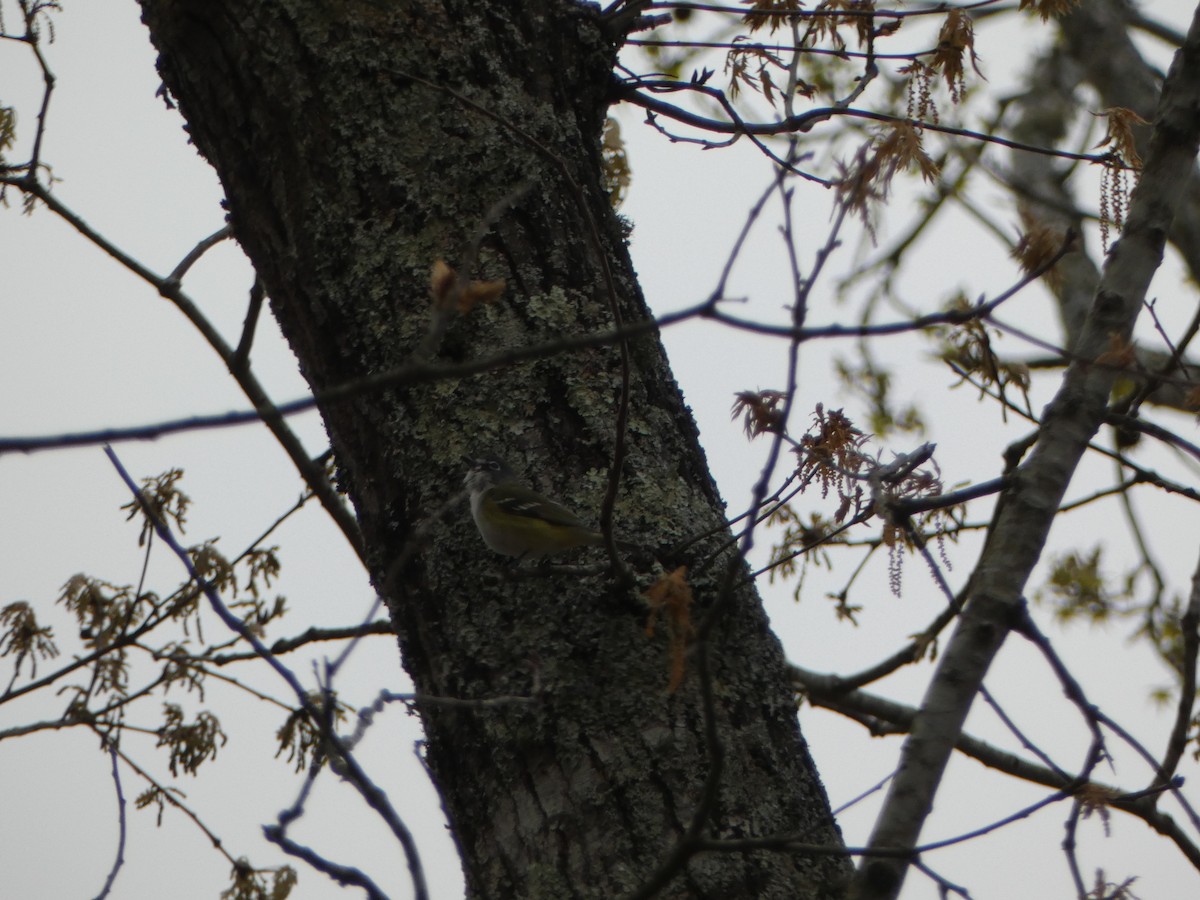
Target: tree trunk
353,156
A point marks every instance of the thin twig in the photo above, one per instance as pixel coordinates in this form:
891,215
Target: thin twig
119,861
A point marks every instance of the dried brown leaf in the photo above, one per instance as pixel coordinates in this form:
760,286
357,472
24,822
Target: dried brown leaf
671,598
447,295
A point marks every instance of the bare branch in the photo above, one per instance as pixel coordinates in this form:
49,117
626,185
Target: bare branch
119,860
1026,510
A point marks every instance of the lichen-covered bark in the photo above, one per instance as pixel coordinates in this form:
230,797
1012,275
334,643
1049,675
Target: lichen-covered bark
347,176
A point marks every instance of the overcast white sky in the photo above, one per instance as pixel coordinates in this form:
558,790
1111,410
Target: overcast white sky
84,345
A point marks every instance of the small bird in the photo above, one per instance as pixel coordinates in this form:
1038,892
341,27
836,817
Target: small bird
517,521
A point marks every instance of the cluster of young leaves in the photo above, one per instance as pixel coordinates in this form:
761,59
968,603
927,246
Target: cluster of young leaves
302,738
864,185
967,349
801,545
752,66
772,14
761,67
249,883
956,45
1038,245
1078,589
761,411
833,455
22,638
189,744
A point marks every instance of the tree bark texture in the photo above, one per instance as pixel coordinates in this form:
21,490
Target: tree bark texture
353,156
